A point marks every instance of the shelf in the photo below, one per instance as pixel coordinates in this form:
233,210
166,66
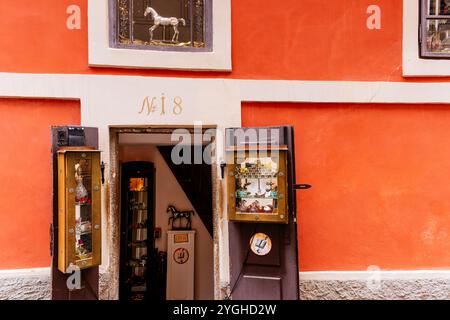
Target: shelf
258,213
137,265
139,289
250,176
136,228
138,244
256,198
83,233
83,204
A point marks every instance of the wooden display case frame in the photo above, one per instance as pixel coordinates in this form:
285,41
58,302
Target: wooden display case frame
282,214
66,208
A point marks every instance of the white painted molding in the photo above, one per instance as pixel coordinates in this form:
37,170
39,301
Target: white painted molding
412,64
101,55
65,86
18,273
369,275
343,91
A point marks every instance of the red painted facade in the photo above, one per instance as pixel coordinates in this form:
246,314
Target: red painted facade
25,175
300,40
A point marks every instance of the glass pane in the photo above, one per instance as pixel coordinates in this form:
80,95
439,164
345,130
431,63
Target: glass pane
83,210
438,36
137,184
161,23
257,185
439,7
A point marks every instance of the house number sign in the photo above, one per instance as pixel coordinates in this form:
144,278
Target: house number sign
261,244
161,106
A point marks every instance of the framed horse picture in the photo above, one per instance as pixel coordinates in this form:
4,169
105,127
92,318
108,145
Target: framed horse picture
170,25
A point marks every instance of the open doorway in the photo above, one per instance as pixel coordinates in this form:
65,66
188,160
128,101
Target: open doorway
141,159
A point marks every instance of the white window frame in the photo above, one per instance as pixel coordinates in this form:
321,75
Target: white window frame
413,65
102,55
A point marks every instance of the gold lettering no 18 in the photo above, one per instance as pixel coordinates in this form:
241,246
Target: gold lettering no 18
162,106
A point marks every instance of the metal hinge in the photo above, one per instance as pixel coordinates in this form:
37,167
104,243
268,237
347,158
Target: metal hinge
51,239
420,33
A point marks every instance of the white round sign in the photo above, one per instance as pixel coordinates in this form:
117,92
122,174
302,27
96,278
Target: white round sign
261,244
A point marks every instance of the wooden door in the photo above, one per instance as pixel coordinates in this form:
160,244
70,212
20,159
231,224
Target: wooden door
274,276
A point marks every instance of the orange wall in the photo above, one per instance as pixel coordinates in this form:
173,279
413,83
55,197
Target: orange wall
307,39
25,176
380,176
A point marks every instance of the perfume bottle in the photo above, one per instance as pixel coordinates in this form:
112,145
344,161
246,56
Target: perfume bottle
81,193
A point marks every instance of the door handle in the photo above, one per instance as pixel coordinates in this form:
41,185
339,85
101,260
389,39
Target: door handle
302,186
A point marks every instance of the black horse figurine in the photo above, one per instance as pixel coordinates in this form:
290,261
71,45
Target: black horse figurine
175,215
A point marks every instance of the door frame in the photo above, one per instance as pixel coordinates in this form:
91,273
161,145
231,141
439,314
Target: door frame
112,196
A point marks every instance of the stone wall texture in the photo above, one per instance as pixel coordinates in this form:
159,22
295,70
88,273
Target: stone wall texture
36,285
411,289
25,286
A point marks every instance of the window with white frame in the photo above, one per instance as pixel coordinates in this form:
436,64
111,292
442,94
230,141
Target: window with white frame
426,42
164,34
435,29
170,25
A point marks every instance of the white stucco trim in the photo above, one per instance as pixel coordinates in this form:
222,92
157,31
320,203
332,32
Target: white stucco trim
32,272
66,86
369,275
412,64
343,91
101,55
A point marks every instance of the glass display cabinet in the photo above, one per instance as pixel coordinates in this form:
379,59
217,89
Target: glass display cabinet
138,255
256,178
79,208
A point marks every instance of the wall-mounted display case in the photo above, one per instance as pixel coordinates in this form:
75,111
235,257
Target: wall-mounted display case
79,208
256,179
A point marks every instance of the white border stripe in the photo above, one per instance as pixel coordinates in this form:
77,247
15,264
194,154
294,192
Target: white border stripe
367,275
18,273
61,86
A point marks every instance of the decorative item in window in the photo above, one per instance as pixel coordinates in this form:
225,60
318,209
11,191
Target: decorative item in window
435,29
176,25
162,21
